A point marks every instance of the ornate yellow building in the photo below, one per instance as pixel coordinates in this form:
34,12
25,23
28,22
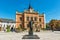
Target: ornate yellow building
22,19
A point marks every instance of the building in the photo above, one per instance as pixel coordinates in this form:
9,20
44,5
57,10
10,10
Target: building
6,22
22,19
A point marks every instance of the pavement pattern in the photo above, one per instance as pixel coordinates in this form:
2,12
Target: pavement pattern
44,35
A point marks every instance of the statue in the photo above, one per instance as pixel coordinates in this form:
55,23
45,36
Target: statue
31,28
30,35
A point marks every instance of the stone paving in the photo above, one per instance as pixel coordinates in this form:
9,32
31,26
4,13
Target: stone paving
44,35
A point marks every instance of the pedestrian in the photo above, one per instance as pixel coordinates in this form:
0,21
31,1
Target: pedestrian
12,29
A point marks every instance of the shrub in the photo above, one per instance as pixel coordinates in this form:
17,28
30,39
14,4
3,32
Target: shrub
8,28
18,29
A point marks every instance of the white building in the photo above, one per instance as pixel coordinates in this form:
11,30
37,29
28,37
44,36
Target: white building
6,22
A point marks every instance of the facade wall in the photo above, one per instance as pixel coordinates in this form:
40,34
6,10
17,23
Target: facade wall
42,21
30,15
37,24
18,21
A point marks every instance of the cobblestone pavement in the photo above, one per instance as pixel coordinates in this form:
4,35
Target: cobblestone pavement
44,35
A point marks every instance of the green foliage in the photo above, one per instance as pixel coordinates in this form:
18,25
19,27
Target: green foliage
18,29
58,26
23,29
8,28
43,28
55,24
47,26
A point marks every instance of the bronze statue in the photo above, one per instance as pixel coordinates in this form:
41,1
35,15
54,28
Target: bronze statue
30,35
31,28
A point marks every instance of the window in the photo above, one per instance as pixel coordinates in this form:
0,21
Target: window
40,25
27,18
31,18
27,25
20,18
35,18
20,25
40,19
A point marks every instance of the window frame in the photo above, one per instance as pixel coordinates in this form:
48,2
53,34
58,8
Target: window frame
31,18
27,18
35,18
20,18
40,19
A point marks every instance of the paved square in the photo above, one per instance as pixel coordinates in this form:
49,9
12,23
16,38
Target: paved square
44,35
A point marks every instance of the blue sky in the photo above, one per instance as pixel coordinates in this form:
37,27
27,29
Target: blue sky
51,8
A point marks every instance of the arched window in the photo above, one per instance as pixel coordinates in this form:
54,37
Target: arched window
35,18
40,25
27,25
20,25
20,18
40,19
31,18
27,18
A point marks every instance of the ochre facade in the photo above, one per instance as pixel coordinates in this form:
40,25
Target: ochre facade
22,19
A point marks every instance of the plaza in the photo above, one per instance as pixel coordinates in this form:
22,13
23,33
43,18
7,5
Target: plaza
29,17
44,35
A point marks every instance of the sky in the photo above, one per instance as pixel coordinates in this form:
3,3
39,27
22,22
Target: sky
51,8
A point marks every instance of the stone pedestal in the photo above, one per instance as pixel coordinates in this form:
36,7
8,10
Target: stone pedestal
30,37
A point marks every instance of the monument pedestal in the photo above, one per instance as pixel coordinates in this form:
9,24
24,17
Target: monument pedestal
30,37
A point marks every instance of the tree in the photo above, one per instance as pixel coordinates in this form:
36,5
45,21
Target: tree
47,26
18,29
8,28
54,24
58,25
